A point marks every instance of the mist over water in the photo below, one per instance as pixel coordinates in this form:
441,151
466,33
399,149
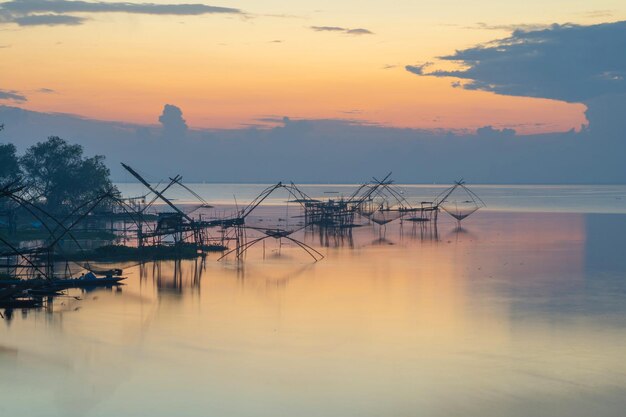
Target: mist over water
536,198
519,312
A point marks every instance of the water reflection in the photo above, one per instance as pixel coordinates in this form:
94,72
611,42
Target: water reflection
513,315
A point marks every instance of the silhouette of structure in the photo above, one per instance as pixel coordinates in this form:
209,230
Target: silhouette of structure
459,201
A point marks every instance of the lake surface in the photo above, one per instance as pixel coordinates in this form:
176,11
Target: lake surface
522,312
535,198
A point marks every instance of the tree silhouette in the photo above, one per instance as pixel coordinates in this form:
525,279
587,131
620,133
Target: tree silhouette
62,178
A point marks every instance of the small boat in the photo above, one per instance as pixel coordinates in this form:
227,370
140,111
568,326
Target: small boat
89,280
43,292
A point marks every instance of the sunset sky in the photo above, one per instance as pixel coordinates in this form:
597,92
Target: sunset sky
248,60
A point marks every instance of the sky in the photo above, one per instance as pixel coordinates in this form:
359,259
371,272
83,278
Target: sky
238,63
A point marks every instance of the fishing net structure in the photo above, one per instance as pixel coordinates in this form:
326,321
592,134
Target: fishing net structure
383,215
282,216
459,201
277,212
385,203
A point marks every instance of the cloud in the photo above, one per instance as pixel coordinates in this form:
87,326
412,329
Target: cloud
174,126
328,29
67,6
598,13
565,62
347,31
12,95
46,91
419,68
48,20
359,31
525,27
60,12
266,155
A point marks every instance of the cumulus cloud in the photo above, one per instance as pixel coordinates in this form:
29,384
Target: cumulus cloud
172,121
60,12
564,62
12,95
347,31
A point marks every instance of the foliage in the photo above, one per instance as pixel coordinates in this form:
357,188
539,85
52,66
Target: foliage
9,164
61,177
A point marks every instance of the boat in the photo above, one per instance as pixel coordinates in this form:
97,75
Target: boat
89,280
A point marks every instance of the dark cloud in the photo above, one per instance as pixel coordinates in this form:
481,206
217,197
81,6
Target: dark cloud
12,95
60,12
347,31
419,68
48,20
46,91
174,126
67,6
565,62
274,148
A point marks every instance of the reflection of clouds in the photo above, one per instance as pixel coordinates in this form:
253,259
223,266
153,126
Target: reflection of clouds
79,359
328,338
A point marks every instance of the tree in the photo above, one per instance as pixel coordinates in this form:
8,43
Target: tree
62,177
9,165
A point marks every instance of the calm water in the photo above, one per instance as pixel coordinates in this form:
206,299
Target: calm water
520,313
537,198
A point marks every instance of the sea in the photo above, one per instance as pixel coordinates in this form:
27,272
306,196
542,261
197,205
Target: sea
519,310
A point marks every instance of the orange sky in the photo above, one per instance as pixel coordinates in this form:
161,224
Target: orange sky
226,71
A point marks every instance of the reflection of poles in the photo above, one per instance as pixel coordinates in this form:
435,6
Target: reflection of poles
241,250
178,275
382,231
199,267
306,248
332,236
